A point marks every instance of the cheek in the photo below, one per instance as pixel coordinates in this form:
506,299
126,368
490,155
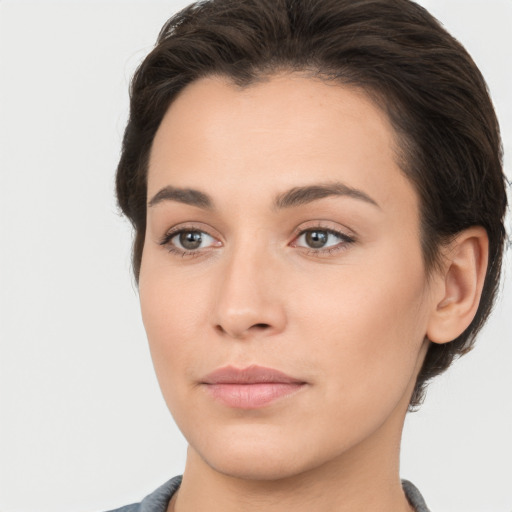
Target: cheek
172,307
368,326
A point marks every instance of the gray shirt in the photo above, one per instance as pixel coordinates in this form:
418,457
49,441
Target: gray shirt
158,500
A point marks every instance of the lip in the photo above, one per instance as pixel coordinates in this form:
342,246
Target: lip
250,388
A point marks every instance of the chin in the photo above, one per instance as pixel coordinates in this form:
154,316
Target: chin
260,471
263,455
254,466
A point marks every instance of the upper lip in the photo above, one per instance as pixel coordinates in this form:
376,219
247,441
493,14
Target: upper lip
251,375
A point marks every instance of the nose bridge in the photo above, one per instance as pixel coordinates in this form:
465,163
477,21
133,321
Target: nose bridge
248,298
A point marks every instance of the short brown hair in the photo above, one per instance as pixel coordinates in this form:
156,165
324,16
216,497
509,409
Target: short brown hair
431,89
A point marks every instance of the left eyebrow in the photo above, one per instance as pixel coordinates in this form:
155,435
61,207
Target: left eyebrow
303,195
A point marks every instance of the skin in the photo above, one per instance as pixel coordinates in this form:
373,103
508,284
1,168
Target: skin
350,321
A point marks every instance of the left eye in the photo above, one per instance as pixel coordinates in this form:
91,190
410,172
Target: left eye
320,238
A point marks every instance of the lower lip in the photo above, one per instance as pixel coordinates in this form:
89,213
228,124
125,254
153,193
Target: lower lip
252,396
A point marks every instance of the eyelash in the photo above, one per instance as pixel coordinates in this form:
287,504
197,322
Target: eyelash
345,241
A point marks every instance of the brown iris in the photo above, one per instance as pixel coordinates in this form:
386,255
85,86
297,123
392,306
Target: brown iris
190,239
316,239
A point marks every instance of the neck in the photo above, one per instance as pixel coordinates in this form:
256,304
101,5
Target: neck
364,478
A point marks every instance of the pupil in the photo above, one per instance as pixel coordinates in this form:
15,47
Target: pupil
316,239
190,239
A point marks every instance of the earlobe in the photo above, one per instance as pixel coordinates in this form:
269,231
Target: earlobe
459,287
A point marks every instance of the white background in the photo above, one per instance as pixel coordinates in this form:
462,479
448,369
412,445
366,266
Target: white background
83,426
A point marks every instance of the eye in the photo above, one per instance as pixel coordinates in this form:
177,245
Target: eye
320,240
188,241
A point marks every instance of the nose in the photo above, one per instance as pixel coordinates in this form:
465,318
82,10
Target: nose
250,298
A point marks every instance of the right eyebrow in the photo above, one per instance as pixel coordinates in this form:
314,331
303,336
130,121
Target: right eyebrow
182,195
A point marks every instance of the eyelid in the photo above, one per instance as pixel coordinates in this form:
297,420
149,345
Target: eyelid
342,231
191,226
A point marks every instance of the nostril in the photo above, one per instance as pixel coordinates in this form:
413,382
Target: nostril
239,332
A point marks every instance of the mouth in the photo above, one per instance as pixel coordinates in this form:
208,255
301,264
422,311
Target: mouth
250,388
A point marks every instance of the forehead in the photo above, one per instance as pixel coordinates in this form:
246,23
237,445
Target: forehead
286,131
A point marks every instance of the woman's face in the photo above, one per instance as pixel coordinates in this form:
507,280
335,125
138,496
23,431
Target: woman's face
282,237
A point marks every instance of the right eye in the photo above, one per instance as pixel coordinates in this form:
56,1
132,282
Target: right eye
188,242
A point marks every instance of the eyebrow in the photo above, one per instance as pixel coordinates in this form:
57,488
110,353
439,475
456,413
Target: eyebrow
302,195
291,198
182,195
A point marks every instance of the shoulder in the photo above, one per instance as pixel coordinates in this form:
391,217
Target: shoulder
157,501
414,497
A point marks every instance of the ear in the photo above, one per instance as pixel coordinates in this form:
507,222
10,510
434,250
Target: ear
458,287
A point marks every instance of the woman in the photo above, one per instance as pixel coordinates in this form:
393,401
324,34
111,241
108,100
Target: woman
317,195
